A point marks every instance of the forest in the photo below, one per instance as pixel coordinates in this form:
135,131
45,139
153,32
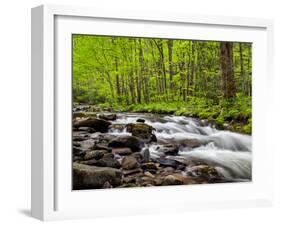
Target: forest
158,112
209,80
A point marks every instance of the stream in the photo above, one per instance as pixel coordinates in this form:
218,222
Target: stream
230,153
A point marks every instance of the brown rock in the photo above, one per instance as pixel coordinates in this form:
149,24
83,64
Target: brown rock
148,174
129,162
122,151
191,143
140,130
95,154
172,180
99,125
132,171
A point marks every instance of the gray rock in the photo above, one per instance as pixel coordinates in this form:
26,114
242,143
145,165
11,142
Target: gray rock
168,149
145,155
167,162
88,177
126,141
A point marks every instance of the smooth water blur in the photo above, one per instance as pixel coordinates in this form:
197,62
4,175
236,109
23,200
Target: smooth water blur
229,152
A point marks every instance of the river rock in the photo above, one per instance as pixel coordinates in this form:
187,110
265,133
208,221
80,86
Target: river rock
167,162
129,162
126,141
171,180
76,144
106,161
79,136
145,155
148,174
119,127
87,129
168,149
191,143
122,151
99,125
88,177
149,166
107,185
140,130
81,108
84,114
97,146
108,117
77,158
140,120
204,171
95,154
134,172
77,151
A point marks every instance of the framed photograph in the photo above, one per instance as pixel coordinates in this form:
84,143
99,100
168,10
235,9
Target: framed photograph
146,112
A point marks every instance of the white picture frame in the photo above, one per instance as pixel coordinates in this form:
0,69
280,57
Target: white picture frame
52,197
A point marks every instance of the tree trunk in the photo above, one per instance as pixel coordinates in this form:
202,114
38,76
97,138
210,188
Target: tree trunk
171,71
227,72
249,85
242,72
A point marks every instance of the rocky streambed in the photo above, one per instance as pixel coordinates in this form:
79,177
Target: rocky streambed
140,149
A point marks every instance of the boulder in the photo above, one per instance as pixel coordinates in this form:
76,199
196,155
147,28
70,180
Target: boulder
129,162
168,149
108,117
99,125
122,151
140,130
171,180
126,141
140,120
88,177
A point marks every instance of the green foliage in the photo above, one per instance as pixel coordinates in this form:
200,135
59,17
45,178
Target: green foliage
181,77
236,114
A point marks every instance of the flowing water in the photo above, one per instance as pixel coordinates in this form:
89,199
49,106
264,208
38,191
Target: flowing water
230,153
